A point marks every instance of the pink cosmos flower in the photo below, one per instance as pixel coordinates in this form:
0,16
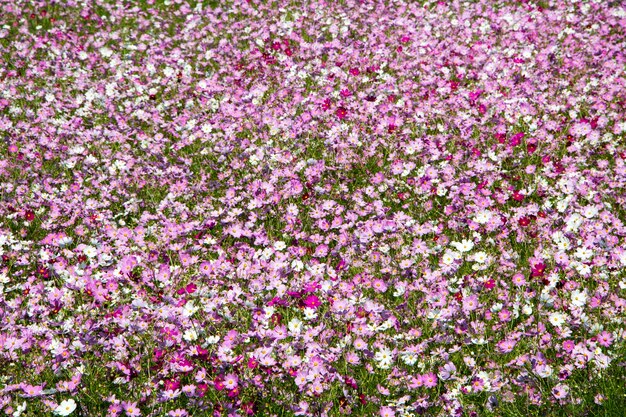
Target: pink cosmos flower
470,303
171,384
114,410
321,251
379,285
201,389
519,280
478,385
446,371
605,339
131,409
205,268
560,391
430,380
32,390
352,358
230,381
516,139
218,383
312,301
506,346
387,412
417,381
504,315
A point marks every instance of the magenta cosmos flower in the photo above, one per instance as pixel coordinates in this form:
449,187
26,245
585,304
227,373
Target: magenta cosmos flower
312,301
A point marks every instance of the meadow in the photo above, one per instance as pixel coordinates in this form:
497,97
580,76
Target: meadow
312,208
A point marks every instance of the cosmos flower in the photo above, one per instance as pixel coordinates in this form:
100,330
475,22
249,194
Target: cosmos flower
579,298
222,203
560,391
66,407
557,319
131,409
463,246
312,301
386,412
230,381
19,410
470,303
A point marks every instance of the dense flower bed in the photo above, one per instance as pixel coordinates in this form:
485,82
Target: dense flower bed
312,208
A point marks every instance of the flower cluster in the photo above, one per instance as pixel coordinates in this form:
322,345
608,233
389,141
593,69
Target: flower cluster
242,208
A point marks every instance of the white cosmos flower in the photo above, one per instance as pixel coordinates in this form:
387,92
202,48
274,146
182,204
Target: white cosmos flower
90,251
579,298
66,407
563,244
190,335
106,52
297,265
480,257
557,319
584,253
590,211
558,236
295,326
463,246
409,358
65,240
384,357
483,216
20,409
449,257
527,309
399,290
309,313
582,269
562,205
574,222
189,309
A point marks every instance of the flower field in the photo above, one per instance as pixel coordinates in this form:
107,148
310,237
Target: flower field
277,208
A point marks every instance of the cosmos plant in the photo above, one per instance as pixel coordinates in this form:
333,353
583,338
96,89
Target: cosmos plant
278,208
